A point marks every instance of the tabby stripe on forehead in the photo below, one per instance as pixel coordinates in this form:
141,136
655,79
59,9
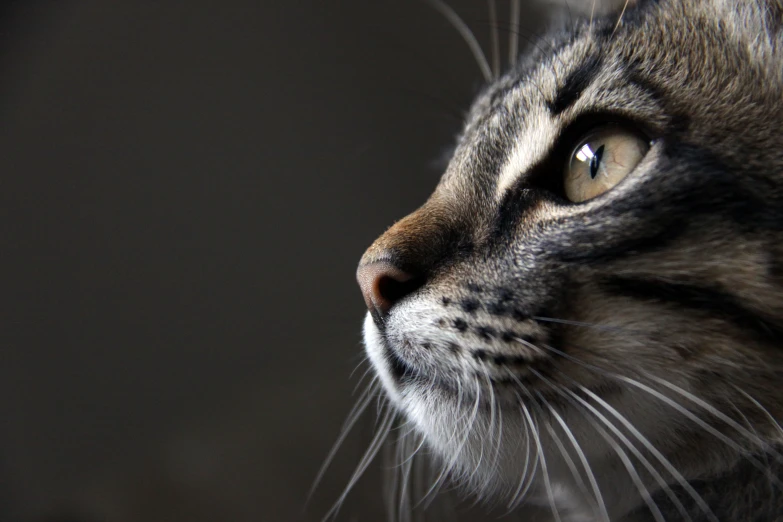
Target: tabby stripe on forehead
712,301
543,129
574,85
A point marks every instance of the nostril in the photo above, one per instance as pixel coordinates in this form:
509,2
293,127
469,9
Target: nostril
383,285
392,290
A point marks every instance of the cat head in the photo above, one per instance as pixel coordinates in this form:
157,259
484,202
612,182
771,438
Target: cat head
602,255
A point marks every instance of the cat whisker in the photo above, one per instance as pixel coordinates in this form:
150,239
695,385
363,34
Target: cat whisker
655,511
530,345
495,37
581,406
405,463
404,508
431,493
449,465
717,413
542,458
391,481
678,407
471,429
655,452
361,379
494,414
600,504
467,35
762,408
364,359
372,451
418,481
411,429
633,449
526,480
620,18
499,443
563,450
398,492
361,405
513,44
532,39
416,450
596,326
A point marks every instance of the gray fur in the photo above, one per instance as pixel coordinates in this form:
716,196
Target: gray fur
661,299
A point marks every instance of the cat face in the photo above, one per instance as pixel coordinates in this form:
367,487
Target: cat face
600,266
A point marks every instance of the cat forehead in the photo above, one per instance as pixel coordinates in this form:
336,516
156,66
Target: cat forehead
525,114
683,47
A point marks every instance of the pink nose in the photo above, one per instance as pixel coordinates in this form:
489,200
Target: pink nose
383,285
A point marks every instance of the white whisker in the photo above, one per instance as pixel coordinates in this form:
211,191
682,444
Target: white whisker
762,408
586,325
493,22
524,482
416,449
418,482
542,457
404,507
513,37
604,514
629,467
675,405
368,371
566,456
581,406
654,451
466,34
361,405
627,443
620,18
369,455
494,413
706,427
391,482
716,413
449,466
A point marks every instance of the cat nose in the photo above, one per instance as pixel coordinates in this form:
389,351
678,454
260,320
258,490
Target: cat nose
383,284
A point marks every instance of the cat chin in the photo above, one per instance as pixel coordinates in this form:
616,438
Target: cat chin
443,423
485,458
502,463
515,469
374,347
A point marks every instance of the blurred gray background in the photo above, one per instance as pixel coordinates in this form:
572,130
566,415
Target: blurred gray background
185,190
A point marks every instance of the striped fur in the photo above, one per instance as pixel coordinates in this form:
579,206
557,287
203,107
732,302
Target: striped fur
547,337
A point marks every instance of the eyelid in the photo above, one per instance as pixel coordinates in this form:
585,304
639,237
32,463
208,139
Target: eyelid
546,175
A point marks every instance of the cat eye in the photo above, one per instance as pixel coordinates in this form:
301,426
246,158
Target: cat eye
601,160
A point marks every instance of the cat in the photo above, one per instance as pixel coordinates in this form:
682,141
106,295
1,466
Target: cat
585,319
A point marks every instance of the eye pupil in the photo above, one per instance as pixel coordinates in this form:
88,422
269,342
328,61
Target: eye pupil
595,161
601,159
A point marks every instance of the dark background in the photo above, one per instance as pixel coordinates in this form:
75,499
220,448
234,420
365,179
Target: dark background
185,191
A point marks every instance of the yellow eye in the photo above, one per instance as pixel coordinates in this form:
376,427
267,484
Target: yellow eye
601,160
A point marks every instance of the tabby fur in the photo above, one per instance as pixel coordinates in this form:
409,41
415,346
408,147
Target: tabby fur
541,335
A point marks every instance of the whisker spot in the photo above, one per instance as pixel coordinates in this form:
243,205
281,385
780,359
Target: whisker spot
460,325
469,305
486,332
